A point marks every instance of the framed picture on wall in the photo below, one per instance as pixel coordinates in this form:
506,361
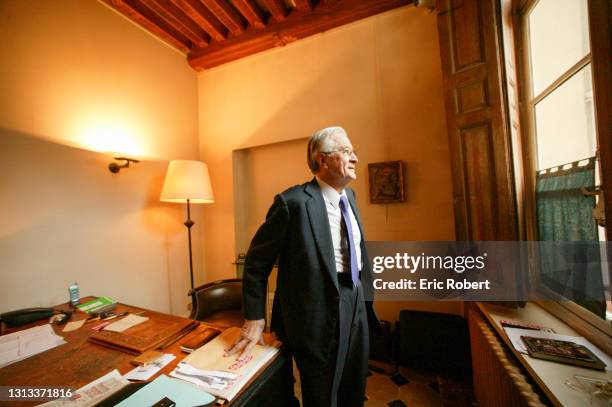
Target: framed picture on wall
386,182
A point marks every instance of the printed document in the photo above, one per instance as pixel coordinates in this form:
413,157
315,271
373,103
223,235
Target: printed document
224,376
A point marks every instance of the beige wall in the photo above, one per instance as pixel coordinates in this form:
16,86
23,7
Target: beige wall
257,180
381,79
76,73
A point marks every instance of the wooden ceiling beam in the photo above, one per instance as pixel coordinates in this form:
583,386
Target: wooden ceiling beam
226,14
251,12
277,9
323,17
177,19
303,5
203,17
141,15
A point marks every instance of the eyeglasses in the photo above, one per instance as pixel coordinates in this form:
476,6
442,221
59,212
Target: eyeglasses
348,152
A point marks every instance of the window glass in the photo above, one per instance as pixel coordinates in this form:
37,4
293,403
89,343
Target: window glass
564,132
565,129
558,38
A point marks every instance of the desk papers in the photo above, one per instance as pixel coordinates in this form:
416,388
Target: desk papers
94,392
145,372
23,344
514,334
125,323
223,376
183,394
73,325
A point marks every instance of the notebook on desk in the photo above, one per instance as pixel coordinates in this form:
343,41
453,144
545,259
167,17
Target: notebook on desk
158,331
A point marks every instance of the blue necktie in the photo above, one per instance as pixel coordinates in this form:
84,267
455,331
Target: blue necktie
346,218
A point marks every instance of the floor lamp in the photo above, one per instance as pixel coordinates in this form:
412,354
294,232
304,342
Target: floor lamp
187,182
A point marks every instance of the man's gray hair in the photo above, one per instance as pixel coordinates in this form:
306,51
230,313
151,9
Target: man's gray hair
319,142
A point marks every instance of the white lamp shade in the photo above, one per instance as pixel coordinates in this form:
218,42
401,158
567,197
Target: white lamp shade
187,180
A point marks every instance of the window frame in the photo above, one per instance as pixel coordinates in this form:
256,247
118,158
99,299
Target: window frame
598,330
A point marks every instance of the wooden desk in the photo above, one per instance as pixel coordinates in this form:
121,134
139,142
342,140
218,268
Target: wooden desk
79,362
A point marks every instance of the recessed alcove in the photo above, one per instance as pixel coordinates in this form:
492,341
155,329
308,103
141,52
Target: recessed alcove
260,173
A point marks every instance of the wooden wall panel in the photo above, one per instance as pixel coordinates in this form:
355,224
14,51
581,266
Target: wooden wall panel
471,96
477,148
477,118
465,23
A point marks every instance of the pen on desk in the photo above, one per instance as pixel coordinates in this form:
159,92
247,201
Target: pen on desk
92,319
115,316
100,327
100,318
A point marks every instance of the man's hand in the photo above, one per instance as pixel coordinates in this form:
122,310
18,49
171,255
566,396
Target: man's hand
250,335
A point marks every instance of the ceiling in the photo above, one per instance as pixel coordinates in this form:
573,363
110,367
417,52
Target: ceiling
213,32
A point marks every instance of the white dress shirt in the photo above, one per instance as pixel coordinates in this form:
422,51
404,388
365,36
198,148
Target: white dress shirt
339,241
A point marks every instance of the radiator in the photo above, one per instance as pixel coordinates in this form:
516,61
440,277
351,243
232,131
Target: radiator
499,380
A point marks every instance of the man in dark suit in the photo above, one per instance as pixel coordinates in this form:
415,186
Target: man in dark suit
315,232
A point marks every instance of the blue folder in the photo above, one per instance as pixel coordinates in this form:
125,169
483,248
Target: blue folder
184,394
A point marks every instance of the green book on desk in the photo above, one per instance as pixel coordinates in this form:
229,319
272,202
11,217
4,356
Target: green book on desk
100,304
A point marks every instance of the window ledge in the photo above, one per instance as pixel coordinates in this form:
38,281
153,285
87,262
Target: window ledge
549,376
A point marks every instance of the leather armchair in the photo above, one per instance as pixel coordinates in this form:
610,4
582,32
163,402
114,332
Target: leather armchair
218,303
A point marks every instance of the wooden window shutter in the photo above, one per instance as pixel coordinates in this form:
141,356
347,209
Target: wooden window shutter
477,119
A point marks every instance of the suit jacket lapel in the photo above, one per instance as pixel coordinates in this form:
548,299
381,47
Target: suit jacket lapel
319,222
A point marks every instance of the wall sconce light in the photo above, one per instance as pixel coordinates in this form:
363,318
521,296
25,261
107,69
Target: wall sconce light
115,168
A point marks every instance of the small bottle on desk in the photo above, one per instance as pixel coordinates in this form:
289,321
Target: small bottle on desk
73,290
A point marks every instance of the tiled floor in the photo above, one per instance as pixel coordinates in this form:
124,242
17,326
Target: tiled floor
405,388
410,388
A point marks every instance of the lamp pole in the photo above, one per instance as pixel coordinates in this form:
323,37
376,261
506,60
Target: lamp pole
189,223
187,181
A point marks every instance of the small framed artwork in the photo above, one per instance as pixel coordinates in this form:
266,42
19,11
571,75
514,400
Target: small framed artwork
386,182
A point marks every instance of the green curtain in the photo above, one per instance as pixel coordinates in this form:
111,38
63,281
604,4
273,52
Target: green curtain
570,266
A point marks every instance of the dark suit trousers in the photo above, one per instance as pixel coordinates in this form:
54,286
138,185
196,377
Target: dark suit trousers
343,383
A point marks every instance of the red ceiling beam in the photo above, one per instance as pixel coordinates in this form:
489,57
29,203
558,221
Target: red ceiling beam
303,5
324,17
203,17
226,14
251,12
277,9
177,19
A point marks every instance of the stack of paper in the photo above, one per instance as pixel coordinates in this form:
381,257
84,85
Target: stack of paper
22,344
145,372
215,381
94,392
219,375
